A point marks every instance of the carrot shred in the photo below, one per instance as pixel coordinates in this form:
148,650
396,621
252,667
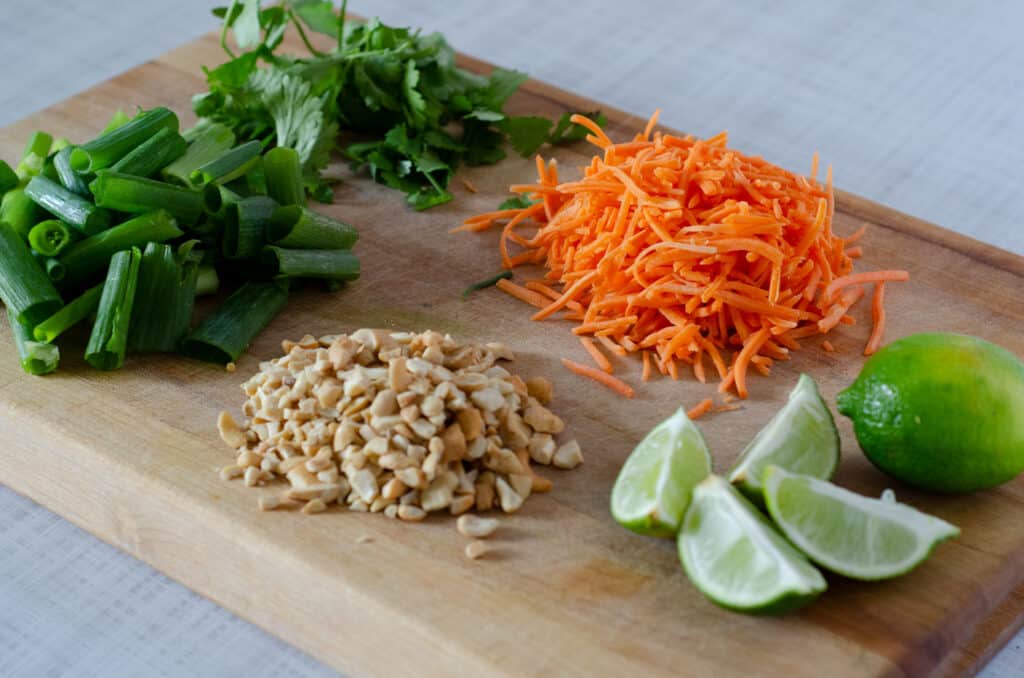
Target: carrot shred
521,293
683,249
596,354
878,318
469,185
827,346
614,383
700,409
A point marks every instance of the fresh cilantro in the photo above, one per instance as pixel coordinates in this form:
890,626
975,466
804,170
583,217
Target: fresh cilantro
404,111
517,202
566,131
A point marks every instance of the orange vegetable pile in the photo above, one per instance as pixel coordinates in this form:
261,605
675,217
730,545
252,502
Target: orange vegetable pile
687,251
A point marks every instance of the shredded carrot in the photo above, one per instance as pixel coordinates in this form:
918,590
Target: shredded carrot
596,354
827,346
878,318
521,293
684,249
700,409
614,383
469,185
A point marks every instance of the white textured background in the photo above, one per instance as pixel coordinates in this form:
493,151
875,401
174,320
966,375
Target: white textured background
917,104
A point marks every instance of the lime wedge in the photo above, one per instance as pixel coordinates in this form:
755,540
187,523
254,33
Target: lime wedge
801,438
737,559
856,536
653,489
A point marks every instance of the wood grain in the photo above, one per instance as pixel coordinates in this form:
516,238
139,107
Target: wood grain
132,457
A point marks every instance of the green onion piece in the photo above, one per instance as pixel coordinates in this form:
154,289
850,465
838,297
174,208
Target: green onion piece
207,282
69,178
59,145
206,143
34,156
18,210
127,193
222,336
72,209
49,237
245,226
24,286
86,258
256,180
163,301
485,283
54,269
283,174
228,166
75,312
109,147
8,178
339,265
153,154
213,199
109,339
119,119
36,358
297,227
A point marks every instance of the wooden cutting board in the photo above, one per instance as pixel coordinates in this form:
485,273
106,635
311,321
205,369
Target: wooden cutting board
132,456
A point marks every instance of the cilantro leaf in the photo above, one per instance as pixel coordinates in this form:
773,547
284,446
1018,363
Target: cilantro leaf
516,202
567,131
247,25
526,133
318,15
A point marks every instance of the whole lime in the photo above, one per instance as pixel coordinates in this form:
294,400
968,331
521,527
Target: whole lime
942,412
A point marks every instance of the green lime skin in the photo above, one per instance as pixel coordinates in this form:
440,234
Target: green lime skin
943,412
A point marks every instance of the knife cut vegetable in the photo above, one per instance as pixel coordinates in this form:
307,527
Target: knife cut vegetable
69,178
73,313
222,336
230,165
339,265
297,227
108,341
686,249
109,147
136,195
152,155
164,299
245,226
283,176
69,207
25,288
36,357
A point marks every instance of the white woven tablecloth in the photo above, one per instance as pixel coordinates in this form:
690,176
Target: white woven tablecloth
916,104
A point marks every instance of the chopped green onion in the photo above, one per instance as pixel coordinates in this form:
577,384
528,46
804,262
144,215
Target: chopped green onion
301,228
109,147
36,358
76,311
127,193
59,145
119,119
49,237
108,341
245,226
18,210
163,301
485,283
54,269
225,334
8,178
86,258
153,154
69,178
229,165
206,143
36,150
72,209
339,265
207,282
24,286
283,174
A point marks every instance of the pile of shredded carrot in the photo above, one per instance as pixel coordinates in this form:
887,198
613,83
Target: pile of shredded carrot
688,252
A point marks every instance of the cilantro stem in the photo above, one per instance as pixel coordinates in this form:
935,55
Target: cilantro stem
341,25
485,283
224,29
302,34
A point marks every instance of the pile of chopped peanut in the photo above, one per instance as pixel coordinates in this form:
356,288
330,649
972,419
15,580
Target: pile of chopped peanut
395,422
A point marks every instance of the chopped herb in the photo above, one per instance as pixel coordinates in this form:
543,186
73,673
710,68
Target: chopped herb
487,282
516,203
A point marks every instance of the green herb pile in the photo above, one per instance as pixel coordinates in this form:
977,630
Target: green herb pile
407,113
128,228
